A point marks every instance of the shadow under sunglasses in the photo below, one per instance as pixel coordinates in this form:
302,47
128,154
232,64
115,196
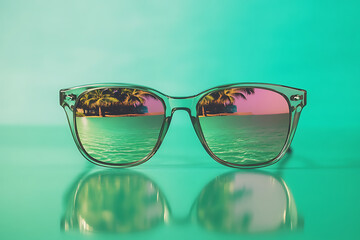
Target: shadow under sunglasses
128,201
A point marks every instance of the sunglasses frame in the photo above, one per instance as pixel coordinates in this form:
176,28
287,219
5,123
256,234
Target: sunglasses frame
296,99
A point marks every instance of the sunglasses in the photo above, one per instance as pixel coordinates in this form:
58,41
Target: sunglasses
244,125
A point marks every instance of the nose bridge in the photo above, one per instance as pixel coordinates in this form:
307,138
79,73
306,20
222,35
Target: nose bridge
184,103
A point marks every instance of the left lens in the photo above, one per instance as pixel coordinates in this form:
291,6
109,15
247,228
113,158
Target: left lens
244,126
118,125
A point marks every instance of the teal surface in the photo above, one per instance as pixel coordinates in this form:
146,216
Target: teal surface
179,48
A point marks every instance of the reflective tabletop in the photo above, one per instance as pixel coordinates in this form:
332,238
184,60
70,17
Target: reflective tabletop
50,191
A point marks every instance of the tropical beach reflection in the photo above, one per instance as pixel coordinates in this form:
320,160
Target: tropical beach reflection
128,201
244,126
116,102
118,125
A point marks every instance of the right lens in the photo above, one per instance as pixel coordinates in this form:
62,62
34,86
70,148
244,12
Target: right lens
118,125
244,126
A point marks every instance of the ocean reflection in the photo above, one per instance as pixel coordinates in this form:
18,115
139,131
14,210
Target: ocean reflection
129,201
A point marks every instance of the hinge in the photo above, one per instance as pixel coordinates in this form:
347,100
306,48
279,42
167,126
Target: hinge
71,97
67,99
296,97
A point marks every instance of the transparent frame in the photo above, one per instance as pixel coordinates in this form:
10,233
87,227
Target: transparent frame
296,99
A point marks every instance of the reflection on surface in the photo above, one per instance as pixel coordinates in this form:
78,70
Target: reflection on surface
118,125
246,203
115,202
236,202
244,125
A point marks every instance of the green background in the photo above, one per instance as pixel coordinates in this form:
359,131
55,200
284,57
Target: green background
180,48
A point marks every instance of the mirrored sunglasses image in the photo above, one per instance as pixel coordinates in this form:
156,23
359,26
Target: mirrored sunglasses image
129,201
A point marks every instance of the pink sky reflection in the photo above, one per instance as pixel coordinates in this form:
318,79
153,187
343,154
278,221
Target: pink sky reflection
262,102
154,105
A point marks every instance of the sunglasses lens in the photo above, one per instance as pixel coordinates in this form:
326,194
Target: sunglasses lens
118,125
244,126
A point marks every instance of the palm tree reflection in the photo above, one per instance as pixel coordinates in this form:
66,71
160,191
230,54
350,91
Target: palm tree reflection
113,102
222,101
97,99
236,202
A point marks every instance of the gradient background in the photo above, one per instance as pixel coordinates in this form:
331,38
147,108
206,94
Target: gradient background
179,48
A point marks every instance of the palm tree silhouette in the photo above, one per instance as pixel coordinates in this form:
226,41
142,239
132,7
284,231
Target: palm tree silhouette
206,101
98,99
228,96
218,100
82,105
135,96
